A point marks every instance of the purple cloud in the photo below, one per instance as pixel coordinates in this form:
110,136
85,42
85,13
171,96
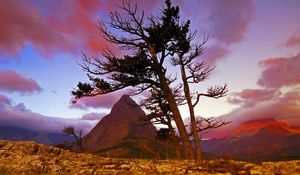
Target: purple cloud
93,116
101,101
11,81
280,71
19,116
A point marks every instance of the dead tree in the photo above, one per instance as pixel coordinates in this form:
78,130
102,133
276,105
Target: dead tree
141,69
193,72
77,134
150,45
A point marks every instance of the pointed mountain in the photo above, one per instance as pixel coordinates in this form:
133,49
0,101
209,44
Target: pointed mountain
126,119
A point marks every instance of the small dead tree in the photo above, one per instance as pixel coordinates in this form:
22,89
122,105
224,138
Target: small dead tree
77,134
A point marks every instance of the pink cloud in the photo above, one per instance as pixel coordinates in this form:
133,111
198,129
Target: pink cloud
251,97
79,25
70,26
93,116
12,81
91,5
100,101
293,40
268,103
215,52
52,27
280,71
22,23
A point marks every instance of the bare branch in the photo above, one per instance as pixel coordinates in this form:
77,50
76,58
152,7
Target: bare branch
213,92
198,72
204,124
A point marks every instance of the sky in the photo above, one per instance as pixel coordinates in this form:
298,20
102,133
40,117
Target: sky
254,44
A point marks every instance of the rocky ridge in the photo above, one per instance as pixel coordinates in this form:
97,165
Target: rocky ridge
30,158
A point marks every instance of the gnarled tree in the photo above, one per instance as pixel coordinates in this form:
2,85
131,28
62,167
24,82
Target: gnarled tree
150,45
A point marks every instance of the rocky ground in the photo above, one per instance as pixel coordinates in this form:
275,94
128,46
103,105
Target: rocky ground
31,158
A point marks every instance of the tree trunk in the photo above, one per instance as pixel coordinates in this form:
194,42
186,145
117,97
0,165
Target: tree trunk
192,115
187,146
175,141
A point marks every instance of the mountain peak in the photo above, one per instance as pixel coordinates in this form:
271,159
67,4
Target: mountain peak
125,119
266,139
251,127
127,99
126,104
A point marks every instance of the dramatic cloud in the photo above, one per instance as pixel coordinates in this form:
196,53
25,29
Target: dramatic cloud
227,23
284,109
93,116
251,97
271,101
19,116
281,71
55,26
70,26
12,81
229,19
101,101
23,22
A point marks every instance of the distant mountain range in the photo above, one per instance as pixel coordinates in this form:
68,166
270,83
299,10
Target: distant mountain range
123,133
260,140
17,133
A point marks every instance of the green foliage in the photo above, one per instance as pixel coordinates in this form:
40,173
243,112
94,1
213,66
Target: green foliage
138,70
83,88
167,33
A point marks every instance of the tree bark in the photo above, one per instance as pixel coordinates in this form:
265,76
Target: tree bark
187,146
192,115
175,141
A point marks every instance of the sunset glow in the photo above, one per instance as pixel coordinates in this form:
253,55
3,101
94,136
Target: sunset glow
254,44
